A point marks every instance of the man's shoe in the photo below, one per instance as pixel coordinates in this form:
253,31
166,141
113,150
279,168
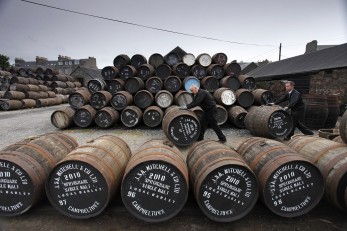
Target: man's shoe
223,141
287,138
200,139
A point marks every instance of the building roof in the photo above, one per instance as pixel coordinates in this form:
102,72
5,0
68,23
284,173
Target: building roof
92,73
327,59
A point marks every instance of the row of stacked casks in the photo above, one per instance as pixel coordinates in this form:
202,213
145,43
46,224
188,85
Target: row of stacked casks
19,92
153,182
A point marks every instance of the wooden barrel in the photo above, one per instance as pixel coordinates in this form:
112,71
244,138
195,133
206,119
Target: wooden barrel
203,59
14,95
24,168
231,82
33,81
232,69
32,95
28,103
210,83
316,111
86,180
63,118
224,187
42,103
224,96
131,116
79,98
62,78
155,183
181,70
331,159
51,94
145,71
290,185
121,100
121,60
173,84
198,71
247,82
85,116
164,99
17,79
50,71
77,84
19,87
172,59
42,87
222,115
7,104
40,70
187,82
198,112
153,116
236,116
244,98
133,85
189,59
138,60
343,127
126,72
329,134
163,71
181,127
115,86
216,71
100,99
154,84
95,85
262,97
43,95
155,60
48,78
183,98
143,99
60,84
220,59
109,72
333,111
267,121
106,117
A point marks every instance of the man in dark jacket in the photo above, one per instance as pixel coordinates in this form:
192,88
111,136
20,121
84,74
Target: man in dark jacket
203,99
297,107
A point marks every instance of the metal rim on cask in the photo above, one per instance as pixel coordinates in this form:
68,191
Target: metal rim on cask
63,117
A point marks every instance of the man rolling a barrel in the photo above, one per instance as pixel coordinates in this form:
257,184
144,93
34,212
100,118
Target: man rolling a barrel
203,99
297,106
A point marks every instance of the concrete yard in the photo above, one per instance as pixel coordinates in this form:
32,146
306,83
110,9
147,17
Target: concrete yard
18,125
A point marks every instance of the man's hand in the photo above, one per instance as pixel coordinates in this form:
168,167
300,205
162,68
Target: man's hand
183,107
285,109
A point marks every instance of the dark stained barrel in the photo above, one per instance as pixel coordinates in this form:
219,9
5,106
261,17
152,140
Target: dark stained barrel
181,127
333,111
267,121
181,70
316,111
24,168
231,82
222,115
121,100
163,71
121,60
115,86
203,59
106,117
236,115
220,59
155,183
84,117
145,71
183,98
143,99
172,59
244,98
109,72
62,78
210,83
262,97
331,159
131,116
7,104
154,84
56,84
138,60
79,98
156,59
133,85
173,84
21,80
232,69
153,116
95,85
86,180
343,127
198,112
224,187
199,71
127,72
247,82
63,118
28,103
19,87
48,78
100,99
216,71
14,95
189,59
224,96
164,99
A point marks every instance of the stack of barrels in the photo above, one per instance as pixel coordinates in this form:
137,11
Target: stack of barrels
25,88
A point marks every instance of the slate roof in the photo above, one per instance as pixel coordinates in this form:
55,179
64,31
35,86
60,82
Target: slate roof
327,59
92,73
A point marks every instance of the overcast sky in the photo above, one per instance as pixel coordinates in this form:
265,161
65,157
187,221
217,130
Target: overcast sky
28,30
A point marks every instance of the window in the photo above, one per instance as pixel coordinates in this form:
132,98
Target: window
77,62
70,62
60,63
66,62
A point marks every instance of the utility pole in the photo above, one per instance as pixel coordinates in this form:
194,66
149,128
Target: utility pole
279,58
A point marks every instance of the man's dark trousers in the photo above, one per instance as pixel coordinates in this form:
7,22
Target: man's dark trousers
209,118
298,120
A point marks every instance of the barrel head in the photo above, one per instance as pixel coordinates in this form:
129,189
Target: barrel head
130,117
189,81
154,84
217,71
103,119
172,84
152,118
164,100
199,71
83,118
115,86
280,123
119,102
228,97
98,100
182,70
221,116
163,71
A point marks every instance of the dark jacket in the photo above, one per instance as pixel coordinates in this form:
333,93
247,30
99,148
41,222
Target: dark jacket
204,100
295,101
